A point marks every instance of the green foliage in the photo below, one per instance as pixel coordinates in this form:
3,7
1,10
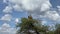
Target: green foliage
31,24
36,26
57,31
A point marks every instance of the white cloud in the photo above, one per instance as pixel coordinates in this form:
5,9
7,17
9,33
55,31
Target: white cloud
4,1
8,9
46,6
44,22
6,29
29,5
58,8
53,15
35,7
6,17
14,1
17,20
17,8
5,25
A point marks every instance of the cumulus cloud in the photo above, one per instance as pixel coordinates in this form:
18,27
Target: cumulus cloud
58,8
7,29
46,6
41,8
8,9
53,15
6,17
17,8
29,5
44,22
17,20
37,8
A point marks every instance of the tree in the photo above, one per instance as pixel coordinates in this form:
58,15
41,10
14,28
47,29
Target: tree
29,24
57,31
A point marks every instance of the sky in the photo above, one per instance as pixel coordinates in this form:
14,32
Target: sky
11,12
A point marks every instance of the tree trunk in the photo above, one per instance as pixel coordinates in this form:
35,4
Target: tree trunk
37,32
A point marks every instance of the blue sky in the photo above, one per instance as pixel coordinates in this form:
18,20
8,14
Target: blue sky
17,14
46,10
55,3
